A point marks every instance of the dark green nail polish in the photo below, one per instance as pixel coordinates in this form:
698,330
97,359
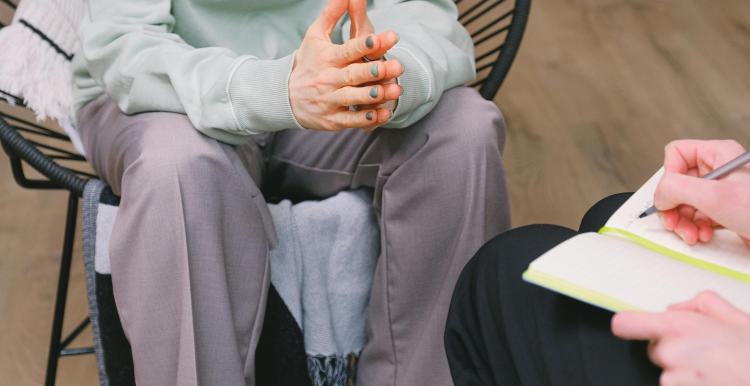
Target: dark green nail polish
370,43
369,115
374,69
374,92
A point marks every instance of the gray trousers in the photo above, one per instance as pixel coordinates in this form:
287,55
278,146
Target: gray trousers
190,245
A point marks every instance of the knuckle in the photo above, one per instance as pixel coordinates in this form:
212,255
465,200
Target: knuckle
321,79
672,146
660,355
349,77
660,191
731,142
706,297
358,120
701,302
680,328
347,95
321,88
328,124
663,190
666,379
337,125
329,55
357,76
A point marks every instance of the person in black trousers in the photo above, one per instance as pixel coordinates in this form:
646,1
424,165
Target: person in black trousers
504,331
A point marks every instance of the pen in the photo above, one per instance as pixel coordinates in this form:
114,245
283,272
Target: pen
714,175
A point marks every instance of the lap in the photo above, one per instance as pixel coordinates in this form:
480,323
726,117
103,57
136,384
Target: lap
114,141
502,330
318,164
300,163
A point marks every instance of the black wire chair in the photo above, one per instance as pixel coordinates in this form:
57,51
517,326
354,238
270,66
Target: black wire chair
496,27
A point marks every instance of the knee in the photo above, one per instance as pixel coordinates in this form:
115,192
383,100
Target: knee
471,124
509,254
176,149
599,213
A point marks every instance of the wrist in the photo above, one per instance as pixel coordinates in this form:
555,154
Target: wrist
258,92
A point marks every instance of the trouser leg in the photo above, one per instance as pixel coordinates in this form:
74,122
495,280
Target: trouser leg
504,331
189,248
439,193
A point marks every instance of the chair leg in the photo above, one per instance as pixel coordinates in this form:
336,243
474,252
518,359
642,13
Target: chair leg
62,290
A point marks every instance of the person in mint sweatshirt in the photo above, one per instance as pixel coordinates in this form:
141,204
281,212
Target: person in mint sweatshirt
193,110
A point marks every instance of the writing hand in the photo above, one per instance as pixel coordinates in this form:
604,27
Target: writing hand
692,207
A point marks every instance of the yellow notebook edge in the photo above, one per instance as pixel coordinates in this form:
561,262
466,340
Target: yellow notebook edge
575,291
662,250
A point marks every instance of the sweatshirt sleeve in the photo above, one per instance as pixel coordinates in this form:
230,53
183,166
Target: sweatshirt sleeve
435,49
130,50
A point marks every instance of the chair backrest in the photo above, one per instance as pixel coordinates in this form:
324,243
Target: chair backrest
6,9
496,27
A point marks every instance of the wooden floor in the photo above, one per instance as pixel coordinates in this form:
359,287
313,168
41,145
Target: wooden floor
600,86
598,89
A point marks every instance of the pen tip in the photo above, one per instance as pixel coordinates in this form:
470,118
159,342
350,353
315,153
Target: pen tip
644,214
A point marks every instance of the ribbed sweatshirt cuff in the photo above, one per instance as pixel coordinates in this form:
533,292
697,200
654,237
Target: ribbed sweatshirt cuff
259,94
415,82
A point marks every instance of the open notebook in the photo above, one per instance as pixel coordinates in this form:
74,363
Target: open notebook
635,264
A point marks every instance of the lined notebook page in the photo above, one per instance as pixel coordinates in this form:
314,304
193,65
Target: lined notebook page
633,275
726,249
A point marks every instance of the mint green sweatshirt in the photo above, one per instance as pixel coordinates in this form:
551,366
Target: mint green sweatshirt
226,63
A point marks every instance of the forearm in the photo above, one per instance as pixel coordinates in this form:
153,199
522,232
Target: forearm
130,51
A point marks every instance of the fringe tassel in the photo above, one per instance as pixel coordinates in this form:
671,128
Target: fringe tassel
332,370
33,70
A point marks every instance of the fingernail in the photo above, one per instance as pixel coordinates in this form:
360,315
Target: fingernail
398,38
374,92
370,43
374,69
369,115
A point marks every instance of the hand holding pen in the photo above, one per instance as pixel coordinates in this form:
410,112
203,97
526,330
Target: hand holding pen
692,207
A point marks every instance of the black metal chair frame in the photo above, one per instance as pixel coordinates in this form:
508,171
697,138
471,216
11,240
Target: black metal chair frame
44,158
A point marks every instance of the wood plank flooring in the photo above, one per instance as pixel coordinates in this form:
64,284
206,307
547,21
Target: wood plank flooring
600,86
597,90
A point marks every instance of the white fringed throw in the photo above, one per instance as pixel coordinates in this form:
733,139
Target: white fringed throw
35,54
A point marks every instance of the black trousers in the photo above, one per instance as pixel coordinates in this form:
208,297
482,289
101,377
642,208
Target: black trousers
504,331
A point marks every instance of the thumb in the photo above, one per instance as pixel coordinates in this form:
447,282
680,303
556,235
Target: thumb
676,189
323,26
709,303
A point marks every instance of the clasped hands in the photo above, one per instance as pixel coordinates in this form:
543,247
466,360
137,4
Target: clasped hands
328,79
